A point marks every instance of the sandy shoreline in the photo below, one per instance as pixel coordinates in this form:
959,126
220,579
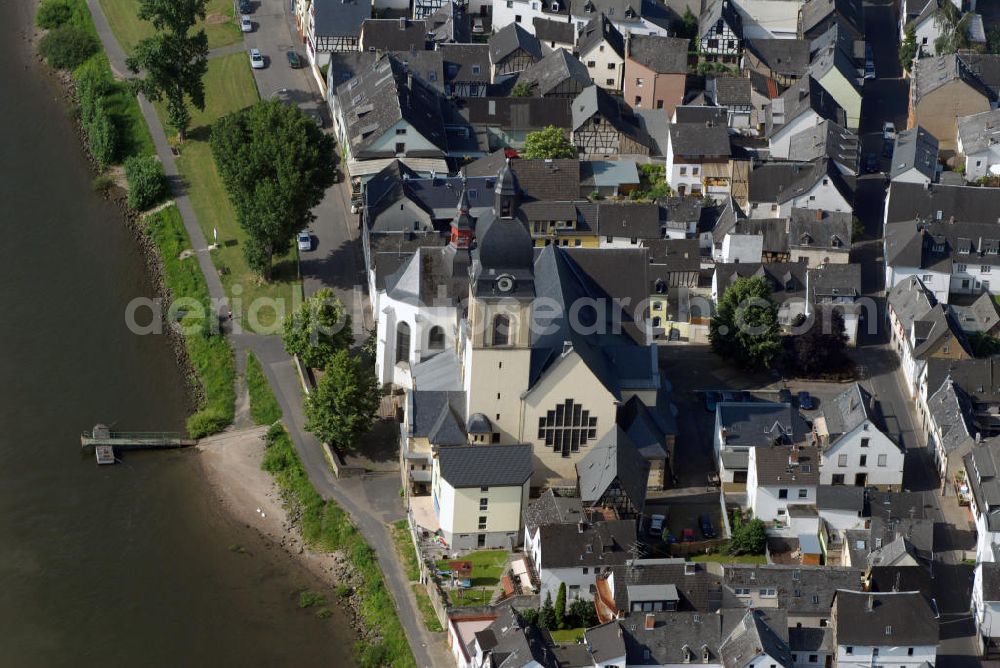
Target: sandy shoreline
231,465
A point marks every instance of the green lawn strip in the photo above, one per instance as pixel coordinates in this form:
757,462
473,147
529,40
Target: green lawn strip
211,356
426,609
487,567
120,102
730,559
567,635
264,408
229,86
325,526
123,17
404,546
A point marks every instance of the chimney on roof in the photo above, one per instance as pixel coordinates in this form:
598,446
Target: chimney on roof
951,220
819,214
870,603
724,434
793,457
580,527
650,621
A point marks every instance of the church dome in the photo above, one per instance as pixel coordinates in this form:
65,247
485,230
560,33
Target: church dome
506,244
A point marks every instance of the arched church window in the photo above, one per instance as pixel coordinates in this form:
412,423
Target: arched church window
402,342
501,330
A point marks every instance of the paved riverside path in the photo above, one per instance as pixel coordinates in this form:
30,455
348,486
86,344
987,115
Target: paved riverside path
372,501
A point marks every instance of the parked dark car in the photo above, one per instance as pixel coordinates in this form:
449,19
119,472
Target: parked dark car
687,536
245,6
871,163
711,400
706,526
887,149
293,60
784,396
806,401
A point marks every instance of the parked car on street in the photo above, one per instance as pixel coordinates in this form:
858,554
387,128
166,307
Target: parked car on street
871,163
478,26
293,60
656,524
706,526
256,60
889,131
305,240
806,401
784,396
245,6
246,25
687,536
887,149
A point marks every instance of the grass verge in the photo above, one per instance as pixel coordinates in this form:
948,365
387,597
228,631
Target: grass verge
325,526
426,609
210,354
121,104
123,17
567,635
229,87
264,408
404,547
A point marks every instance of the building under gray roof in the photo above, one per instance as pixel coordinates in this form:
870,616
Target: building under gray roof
393,34
339,18
584,544
550,30
979,131
841,497
437,416
486,465
931,73
700,140
732,91
916,149
509,39
807,94
786,57
614,460
760,631
671,638
848,410
886,618
600,30
549,508
612,110
982,315
781,465
816,15
951,410
698,590
937,202
816,228
629,220
553,71
827,139
802,591
760,423
663,55
982,465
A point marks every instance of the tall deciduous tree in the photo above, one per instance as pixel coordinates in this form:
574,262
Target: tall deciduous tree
548,143
318,329
275,164
547,615
341,408
173,61
560,608
908,48
745,326
954,27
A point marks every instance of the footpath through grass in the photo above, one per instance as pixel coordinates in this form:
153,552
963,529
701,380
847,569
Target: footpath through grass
210,354
123,17
229,87
404,547
325,526
430,619
264,408
123,107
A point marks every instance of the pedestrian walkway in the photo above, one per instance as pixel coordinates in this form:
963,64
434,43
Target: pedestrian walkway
279,368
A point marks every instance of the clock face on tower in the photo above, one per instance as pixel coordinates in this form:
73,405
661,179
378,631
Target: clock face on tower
505,283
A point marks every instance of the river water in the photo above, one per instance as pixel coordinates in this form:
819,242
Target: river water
128,564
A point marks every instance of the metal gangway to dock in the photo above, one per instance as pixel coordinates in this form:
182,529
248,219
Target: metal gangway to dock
106,441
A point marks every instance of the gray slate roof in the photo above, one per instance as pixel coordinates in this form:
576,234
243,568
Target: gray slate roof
801,591
787,279
788,57
595,100
599,544
840,497
600,30
979,378
698,140
551,509
550,30
754,635
670,634
663,55
760,423
438,416
698,590
983,466
394,34
519,113
991,580
509,642
775,467
806,94
485,465
884,619
982,315
624,219
815,228
605,642
951,411
915,149
909,201
459,60
614,458
826,139
931,73
815,12
509,39
339,18
848,410
979,131
732,91
781,181
554,69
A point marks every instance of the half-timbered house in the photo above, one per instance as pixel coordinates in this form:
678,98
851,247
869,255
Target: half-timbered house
720,32
558,74
602,48
512,50
466,69
334,25
603,126
614,475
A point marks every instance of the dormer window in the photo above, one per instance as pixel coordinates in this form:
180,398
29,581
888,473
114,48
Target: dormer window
938,248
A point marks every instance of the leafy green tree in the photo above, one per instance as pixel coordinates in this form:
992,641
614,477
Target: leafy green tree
275,165
53,13
993,40
66,47
521,89
147,184
318,329
984,345
548,143
560,608
687,27
582,614
529,616
750,538
745,325
341,408
908,48
954,27
173,61
822,348
102,137
547,616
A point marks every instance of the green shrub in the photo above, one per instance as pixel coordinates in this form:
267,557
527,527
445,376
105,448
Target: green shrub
67,47
53,14
91,86
308,599
102,137
207,422
102,183
147,184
